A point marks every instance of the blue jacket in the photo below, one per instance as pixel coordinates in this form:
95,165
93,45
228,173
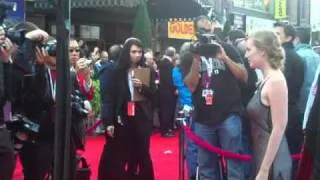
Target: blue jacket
311,61
185,95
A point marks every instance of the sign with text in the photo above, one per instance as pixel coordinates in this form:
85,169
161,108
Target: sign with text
280,10
255,24
181,30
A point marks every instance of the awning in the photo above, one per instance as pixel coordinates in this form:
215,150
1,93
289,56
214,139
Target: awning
167,9
47,4
206,3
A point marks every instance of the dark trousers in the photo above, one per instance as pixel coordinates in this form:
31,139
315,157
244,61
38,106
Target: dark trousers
129,148
36,159
7,159
112,160
7,165
139,159
316,168
167,107
294,135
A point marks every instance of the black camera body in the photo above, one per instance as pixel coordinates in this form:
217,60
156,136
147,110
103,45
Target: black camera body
206,41
16,37
77,104
20,123
50,47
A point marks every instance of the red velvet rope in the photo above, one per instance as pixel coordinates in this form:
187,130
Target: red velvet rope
222,152
93,127
207,146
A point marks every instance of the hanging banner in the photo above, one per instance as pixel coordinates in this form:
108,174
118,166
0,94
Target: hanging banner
280,10
181,30
255,24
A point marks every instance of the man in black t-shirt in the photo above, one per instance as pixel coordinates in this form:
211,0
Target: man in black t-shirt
213,79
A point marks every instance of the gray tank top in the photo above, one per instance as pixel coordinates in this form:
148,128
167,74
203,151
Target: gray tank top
261,127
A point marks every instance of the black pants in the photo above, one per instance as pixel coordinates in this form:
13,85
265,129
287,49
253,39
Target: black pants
139,158
7,159
167,109
129,148
112,160
294,135
36,160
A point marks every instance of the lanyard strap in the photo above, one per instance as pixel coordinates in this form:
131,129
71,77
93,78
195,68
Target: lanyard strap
209,67
53,85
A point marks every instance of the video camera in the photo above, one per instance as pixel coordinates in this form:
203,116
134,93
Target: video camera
78,105
23,124
50,47
206,41
22,130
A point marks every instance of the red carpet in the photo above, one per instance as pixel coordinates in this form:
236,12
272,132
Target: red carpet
164,152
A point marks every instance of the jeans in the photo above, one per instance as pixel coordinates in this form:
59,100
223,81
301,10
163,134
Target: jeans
247,147
227,135
191,153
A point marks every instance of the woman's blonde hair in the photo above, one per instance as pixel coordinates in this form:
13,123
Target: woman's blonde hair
269,42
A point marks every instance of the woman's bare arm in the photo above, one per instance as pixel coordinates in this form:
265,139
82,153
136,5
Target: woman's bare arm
277,96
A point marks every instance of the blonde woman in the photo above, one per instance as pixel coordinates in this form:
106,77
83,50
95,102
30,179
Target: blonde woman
268,109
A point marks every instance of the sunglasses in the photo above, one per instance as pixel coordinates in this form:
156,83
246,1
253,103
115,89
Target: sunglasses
74,50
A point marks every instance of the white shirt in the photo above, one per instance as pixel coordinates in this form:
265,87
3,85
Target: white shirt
131,88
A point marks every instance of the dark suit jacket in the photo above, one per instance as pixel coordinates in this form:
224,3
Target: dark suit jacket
105,85
313,134
119,95
313,126
294,73
166,86
31,96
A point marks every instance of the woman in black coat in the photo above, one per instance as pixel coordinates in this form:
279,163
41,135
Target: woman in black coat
128,122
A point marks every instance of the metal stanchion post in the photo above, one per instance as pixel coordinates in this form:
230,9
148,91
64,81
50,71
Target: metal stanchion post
63,111
182,115
180,119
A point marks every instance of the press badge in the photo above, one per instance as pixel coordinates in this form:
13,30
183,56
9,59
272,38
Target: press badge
131,108
208,96
206,92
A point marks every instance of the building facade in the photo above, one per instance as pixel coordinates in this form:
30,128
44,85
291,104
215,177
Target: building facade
98,22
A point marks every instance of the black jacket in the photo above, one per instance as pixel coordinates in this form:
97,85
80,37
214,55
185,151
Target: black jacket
294,74
313,126
119,95
313,133
166,86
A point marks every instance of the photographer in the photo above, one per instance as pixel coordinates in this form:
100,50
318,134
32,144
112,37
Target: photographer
213,78
34,100
7,159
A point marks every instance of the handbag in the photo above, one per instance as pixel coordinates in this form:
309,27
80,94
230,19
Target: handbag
83,171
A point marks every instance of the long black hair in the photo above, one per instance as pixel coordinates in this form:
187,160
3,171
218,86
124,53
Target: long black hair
124,62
